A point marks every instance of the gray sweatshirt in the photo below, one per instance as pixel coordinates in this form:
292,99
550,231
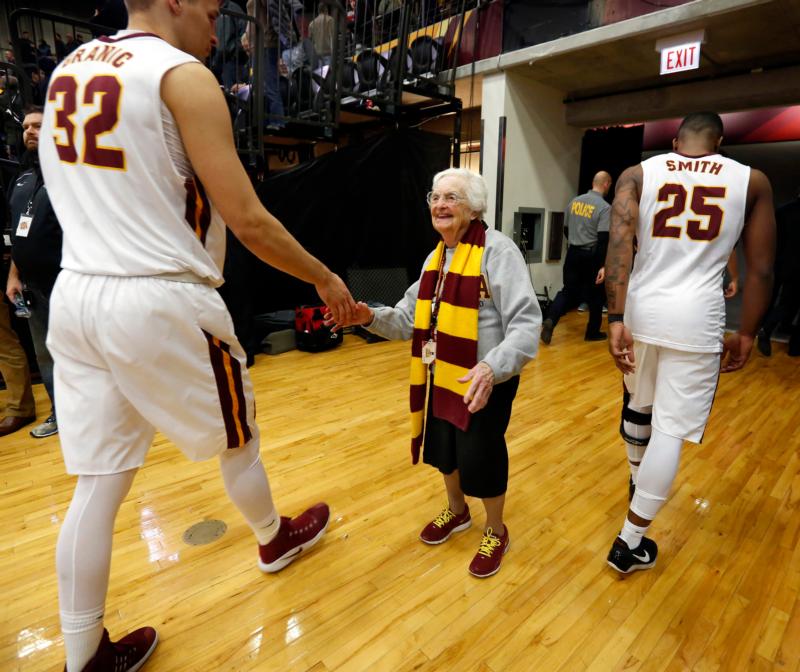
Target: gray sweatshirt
509,319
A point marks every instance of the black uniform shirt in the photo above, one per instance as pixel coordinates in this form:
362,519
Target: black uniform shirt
37,256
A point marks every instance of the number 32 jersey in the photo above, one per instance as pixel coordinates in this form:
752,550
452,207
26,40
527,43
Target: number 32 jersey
116,170
691,214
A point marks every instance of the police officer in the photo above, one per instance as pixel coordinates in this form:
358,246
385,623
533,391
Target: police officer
35,254
587,220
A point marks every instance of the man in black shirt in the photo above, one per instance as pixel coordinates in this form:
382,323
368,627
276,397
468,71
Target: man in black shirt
20,409
35,254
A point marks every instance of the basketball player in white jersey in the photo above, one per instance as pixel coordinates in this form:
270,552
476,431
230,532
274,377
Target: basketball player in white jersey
139,161
687,209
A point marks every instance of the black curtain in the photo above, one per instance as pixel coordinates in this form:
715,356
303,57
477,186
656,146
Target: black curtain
610,149
359,206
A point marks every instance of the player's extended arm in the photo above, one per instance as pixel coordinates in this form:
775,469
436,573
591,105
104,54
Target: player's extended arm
759,253
619,258
193,96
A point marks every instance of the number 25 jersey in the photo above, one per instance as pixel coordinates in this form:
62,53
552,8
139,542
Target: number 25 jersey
691,214
116,169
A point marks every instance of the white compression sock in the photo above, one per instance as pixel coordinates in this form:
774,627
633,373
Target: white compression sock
656,474
83,561
82,634
247,485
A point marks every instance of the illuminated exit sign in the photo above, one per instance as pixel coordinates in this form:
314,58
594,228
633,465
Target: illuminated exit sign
680,58
680,52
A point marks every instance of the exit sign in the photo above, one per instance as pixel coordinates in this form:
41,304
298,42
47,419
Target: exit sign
680,58
680,52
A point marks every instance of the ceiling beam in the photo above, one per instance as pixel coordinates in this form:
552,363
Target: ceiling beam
780,86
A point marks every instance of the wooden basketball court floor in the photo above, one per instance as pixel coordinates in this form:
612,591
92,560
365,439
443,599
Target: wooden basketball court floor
723,595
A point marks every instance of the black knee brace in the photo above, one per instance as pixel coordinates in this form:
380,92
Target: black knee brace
634,417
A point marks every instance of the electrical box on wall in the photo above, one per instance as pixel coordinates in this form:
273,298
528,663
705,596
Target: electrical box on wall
529,233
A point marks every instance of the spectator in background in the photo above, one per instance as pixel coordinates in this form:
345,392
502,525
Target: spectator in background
11,108
44,50
35,255
275,19
38,84
8,54
61,48
229,58
322,31
73,42
27,49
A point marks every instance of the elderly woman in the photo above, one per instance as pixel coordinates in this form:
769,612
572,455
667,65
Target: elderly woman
474,322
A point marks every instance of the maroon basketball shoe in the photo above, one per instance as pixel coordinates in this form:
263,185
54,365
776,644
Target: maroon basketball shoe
295,536
492,549
127,655
440,528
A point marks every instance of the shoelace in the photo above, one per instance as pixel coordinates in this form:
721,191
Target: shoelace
444,517
488,544
121,657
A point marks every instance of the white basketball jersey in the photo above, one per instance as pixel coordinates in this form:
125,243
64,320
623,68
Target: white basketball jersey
691,214
116,170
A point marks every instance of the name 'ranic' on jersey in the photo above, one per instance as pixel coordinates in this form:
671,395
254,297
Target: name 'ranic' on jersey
106,53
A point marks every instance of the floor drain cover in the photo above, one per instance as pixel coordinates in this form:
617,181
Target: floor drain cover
205,532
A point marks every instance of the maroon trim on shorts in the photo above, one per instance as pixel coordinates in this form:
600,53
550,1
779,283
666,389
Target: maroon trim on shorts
227,374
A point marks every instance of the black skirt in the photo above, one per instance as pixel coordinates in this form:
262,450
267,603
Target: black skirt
480,454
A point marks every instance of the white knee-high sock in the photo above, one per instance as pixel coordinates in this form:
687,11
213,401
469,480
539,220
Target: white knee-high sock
248,487
656,474
83,561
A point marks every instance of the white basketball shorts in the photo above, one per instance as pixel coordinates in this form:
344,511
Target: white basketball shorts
679,385
137,354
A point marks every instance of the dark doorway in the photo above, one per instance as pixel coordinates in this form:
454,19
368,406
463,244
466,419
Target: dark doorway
611,149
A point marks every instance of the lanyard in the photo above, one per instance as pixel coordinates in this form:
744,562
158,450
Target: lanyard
37,186
441,275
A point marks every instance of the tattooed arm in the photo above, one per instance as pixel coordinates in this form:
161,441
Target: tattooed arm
619,259
624,217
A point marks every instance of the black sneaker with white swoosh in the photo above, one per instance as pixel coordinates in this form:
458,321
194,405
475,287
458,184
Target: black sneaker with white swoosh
625,560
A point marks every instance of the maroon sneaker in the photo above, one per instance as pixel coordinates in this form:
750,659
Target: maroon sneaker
127,655
440,528
487,560
295,537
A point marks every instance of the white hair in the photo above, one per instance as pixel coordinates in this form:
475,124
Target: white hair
475,191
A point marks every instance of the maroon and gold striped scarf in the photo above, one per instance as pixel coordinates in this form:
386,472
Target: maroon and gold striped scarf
456,334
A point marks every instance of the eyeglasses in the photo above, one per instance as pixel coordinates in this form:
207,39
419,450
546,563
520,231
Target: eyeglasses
449,199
